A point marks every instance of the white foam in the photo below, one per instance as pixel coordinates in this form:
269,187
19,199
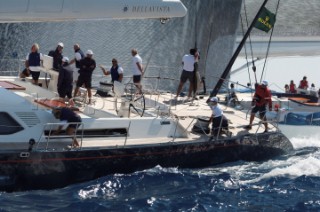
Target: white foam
309,166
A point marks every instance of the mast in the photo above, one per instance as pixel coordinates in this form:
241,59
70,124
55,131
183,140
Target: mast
236,53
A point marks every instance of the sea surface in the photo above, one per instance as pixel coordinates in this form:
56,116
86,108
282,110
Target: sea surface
286,183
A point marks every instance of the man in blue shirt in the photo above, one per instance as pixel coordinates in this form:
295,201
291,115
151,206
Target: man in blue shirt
66,114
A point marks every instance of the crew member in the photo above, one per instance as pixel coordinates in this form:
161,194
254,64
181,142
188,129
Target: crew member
261,98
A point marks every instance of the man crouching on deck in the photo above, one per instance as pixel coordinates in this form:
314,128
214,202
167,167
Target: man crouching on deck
66,114
261,97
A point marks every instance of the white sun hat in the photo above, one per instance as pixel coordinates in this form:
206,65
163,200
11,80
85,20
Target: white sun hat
214,99
65,59
90,52
60,44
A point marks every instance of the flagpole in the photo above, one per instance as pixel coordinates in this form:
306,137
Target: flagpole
236,53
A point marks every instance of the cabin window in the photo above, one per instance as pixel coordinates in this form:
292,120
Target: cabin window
8,124
87,133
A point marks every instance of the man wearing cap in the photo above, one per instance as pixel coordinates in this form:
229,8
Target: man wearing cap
87,66
219,121
57,56
65,79
261,98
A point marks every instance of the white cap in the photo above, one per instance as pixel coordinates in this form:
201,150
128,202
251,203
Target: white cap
265,82
60,44
65,59
214,99
90,52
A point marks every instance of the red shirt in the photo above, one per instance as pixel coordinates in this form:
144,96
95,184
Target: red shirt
292,88
263,96
303,84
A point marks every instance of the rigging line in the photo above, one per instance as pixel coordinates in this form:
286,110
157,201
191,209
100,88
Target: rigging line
249,37
269,43
152,51
245,49
196,26
250,43
236,53
208,46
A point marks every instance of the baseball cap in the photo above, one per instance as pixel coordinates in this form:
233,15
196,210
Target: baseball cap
65,59
265,82
214,99
90,52
60,44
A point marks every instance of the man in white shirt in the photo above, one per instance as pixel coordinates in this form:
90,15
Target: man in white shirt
137,68
33,61
188,61
78,55
219,121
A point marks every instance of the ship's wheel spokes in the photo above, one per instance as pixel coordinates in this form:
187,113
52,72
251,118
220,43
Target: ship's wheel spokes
135,97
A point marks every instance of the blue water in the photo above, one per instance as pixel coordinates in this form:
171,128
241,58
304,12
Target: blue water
287,183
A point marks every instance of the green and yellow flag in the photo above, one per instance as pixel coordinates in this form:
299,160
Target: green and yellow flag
266,20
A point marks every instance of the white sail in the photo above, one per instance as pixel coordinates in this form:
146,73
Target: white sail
64,10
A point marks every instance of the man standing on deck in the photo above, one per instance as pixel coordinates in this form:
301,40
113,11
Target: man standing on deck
261,98
33,62
137,68
87,66
57,56
65,80
78,55
188,62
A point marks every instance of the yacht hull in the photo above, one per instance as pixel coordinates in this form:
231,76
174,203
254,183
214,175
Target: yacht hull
53,169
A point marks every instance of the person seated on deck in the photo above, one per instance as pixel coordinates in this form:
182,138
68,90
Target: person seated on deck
261,98
286,88
313,91
292,87
68,115
304,83
219,121
232,95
